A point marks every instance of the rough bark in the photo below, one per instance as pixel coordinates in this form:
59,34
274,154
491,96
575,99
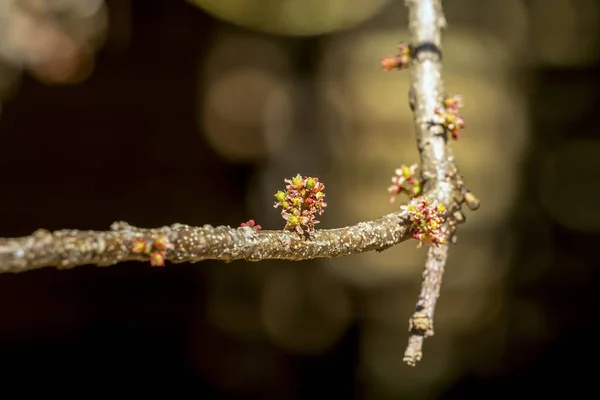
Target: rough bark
438,170
70,248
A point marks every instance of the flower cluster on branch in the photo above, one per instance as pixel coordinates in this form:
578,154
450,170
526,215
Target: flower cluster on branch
426,221
448,115
302,201
406,181
251,224
399,61
156,249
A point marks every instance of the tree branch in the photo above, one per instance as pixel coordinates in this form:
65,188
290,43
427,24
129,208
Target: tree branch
438,172
70,248
441,183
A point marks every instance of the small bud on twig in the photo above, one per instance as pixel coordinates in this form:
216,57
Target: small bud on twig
448,116
405,181
400,61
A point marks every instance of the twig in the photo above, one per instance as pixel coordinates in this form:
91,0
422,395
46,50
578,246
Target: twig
421,322
70,248
438,171
179,243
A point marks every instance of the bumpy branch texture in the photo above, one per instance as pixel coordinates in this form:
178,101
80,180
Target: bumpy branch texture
70,248
438,171
181,243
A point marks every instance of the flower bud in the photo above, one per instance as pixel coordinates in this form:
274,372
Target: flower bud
293,221
280,196
297,180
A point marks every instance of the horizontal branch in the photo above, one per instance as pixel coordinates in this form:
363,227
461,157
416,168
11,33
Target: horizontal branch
70,248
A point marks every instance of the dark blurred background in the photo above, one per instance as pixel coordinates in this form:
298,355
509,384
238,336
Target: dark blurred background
163,111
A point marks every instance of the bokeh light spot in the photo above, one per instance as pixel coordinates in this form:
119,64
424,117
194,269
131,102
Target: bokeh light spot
293,17
304,311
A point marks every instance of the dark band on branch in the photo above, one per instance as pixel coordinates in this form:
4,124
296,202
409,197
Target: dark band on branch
425,47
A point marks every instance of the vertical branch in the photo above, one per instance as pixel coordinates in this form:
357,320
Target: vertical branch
421,322
426,21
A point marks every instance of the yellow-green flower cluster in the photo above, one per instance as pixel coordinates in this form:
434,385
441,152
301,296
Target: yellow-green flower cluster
301,202
426,221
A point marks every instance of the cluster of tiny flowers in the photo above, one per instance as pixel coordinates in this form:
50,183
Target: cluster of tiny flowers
400,61
301,202
251,224
448,116
427,221
156,249
405,181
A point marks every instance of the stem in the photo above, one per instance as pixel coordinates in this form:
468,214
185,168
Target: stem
70,248
426,20
421,322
